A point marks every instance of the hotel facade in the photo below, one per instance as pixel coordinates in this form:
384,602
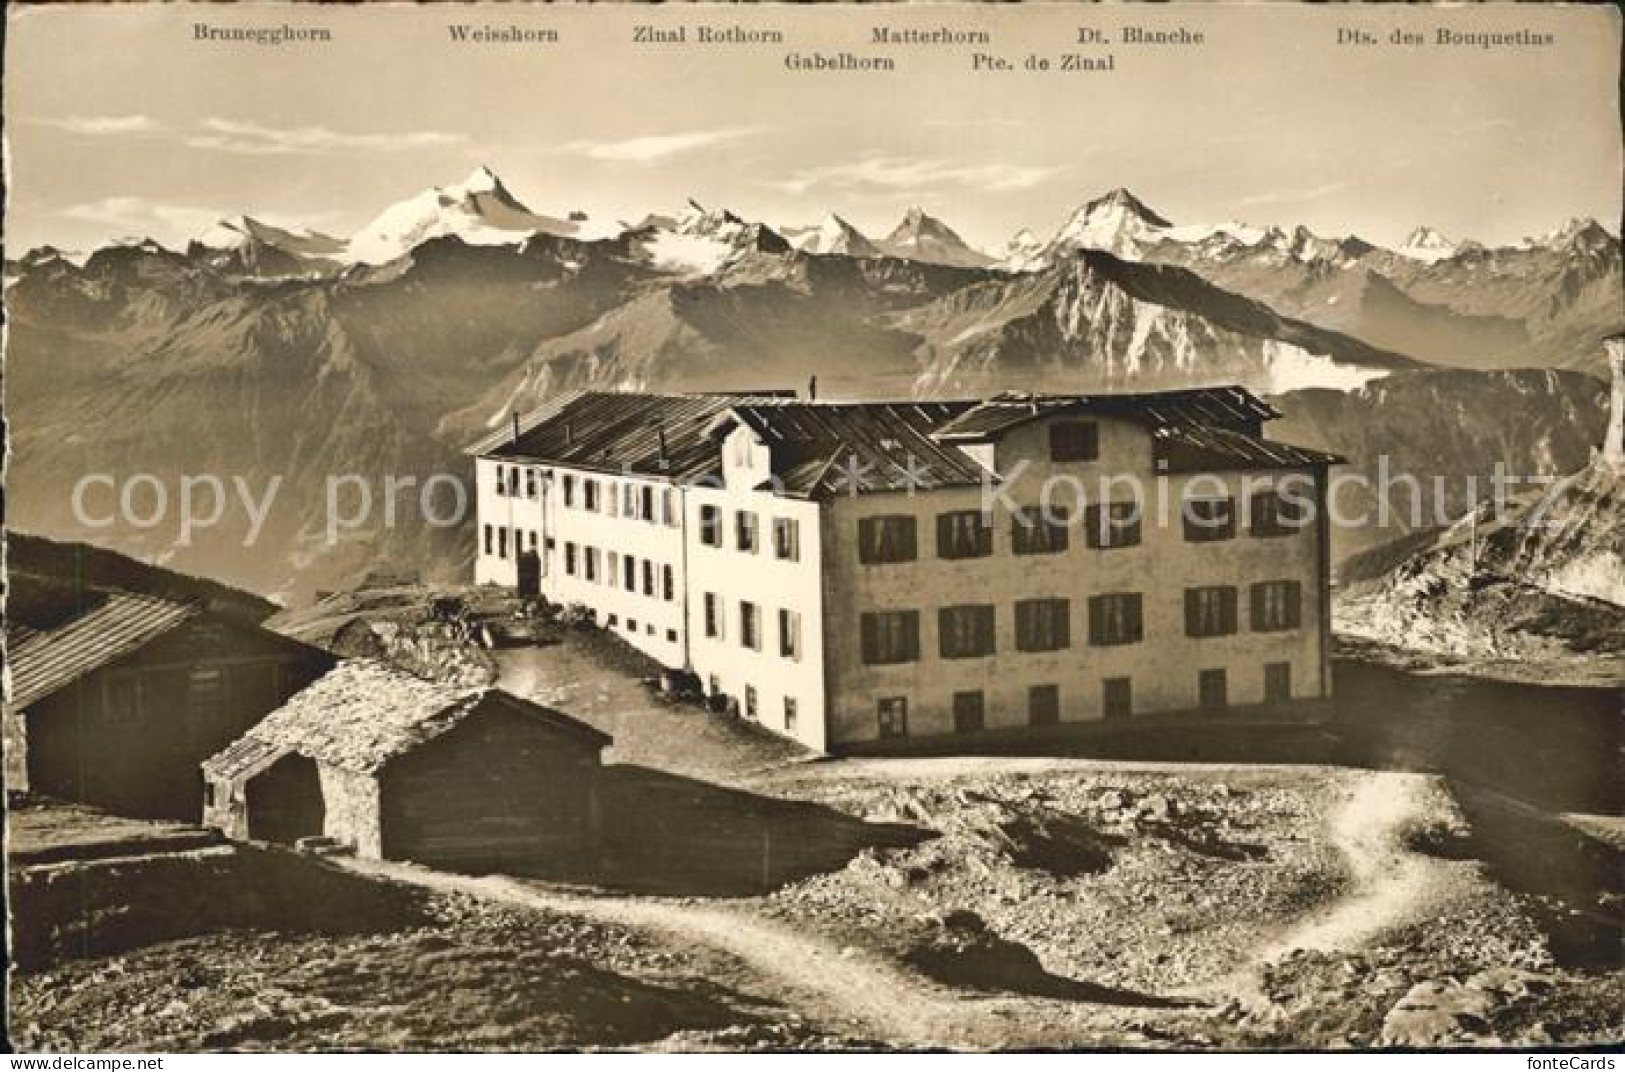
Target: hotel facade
879,576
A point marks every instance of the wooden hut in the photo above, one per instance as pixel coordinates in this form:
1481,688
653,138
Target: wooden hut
116,701
397,767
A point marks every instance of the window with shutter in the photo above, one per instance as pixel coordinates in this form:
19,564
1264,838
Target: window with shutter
1274,514
970,711
1210,611
1110,525
885,539
1031,533
1209,520
890,637
964,534
892,715
1044,705
1043,624
1115,618
965,632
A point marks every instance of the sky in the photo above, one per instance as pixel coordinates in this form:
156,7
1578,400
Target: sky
119,122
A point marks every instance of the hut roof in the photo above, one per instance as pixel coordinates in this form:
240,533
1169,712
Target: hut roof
362,714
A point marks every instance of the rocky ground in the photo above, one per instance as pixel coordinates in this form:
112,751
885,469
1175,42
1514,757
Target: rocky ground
474,975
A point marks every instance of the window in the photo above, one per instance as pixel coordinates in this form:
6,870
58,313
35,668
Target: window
530,483
671,636
611,574
884,539
892,713
612,499
589,494
533,539
489,535
1115,618
668,507
502,542
1210,612
668,583
970,712
1074,441
789,634
713,616
745,531
631,625
790,713
1117,698
1277,682
205,690
1043,705
1212,690
568,486
964,534
1276,606
965,632
1273,514
711,525
750,625
629,573
629,500
647,504
502,489
1042,624
569,558
592,563
1209,520
1031,533
123,697
890,637
787,539
751,711
1113,525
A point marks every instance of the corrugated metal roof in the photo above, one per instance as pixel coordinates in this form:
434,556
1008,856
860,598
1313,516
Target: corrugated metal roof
1231,406
1203,428
615,432
852,448
362,714
1190,448
41,662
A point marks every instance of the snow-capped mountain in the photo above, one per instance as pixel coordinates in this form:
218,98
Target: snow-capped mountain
479,210
1023,253
1427,245
831,235
1118,223
923,237
702,241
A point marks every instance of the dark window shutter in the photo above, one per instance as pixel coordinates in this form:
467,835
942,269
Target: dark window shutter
1294,604
1258,596
1193,610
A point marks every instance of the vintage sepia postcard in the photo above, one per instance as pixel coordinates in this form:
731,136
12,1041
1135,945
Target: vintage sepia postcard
813,528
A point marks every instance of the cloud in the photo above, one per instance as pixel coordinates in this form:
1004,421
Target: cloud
253,139
137,215
1294,197
896,173
102,125
652,147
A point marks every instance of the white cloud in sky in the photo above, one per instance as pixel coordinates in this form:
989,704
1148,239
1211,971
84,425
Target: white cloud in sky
1296,196
255,139
143,217
652,147
897,173
102,125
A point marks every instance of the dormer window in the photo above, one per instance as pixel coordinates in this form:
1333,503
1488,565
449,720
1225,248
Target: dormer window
1074,441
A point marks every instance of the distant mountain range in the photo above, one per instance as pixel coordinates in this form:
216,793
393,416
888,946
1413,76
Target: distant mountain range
264,351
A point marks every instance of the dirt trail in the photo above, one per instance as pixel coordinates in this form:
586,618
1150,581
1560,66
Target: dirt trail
843,990
1390,884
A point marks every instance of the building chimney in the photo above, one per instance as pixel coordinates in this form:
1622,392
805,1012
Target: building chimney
1613,442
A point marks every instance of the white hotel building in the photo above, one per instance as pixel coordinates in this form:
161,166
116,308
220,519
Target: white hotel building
830,568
